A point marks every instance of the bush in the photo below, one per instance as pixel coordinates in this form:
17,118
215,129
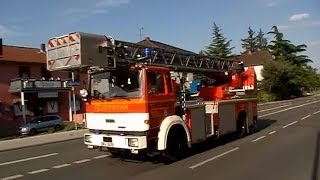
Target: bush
51,130
264,96
68,126
4,132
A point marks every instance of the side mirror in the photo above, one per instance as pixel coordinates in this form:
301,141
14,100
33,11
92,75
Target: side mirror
83,93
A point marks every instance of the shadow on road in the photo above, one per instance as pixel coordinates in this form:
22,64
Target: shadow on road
316,159
213,143
201,147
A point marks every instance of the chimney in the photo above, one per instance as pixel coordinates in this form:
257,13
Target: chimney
1,48
43,48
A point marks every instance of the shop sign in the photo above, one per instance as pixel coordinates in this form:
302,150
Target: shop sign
47,84
47,94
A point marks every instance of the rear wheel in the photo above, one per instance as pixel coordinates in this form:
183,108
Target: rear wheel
57,128
241,126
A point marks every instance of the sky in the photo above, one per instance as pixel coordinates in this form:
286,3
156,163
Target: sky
183,23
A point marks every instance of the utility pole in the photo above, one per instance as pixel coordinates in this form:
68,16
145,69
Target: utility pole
140,32
74,103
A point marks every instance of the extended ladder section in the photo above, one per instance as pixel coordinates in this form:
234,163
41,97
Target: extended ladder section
82,50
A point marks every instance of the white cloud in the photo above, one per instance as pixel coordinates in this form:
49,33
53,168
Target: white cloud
99,11
73,10
272,4
299,17
110,3
283,27
314,44
99,7
315,23
6,31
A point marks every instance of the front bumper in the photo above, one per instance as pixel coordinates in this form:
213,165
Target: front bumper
116,141
24,131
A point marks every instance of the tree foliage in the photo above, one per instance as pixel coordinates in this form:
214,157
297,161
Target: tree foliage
220,46
262,42
250,43
283,49
288,73
254,43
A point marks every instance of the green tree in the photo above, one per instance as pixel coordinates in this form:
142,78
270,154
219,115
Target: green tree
249,44
202,53
261,41
280,78
287,74
283,49
220,46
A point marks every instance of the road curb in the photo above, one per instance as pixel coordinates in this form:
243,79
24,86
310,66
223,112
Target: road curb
41,139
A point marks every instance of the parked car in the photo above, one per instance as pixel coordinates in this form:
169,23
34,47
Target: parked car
42,123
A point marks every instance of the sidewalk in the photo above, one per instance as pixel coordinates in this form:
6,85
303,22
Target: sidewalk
41,139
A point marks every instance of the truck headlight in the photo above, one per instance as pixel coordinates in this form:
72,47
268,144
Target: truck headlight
88,138
133,142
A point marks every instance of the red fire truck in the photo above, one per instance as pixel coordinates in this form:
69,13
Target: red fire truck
137,100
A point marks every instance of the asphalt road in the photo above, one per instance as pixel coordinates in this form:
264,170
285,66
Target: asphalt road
285,146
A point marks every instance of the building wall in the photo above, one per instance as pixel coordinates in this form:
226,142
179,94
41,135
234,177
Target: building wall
7,72
10,71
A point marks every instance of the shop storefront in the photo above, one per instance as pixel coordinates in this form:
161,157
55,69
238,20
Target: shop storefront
42,97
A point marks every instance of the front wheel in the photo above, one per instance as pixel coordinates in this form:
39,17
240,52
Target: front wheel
177,146
33,132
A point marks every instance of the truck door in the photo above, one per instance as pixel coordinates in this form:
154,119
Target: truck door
160,96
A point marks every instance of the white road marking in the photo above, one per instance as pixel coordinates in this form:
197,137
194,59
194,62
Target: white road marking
272,132
28,159
61,166
102,156
294,107
305,117
12,177
273,102
289,124
258,138
275,108
316,112
213,158
82,161
38,171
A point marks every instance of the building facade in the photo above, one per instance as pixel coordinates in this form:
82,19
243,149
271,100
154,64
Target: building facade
27,89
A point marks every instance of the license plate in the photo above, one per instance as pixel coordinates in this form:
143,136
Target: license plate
107,144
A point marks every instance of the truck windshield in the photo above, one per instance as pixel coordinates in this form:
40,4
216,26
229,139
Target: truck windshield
116,84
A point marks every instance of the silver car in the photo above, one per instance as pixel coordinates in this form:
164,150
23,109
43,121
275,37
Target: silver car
42,123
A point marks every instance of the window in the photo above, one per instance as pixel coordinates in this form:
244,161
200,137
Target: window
155,83
169,83
116,84
24,72
45,73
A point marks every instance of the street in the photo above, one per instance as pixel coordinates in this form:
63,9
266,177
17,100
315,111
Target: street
285,146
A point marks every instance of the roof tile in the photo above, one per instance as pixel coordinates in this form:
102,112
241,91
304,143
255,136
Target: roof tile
22,54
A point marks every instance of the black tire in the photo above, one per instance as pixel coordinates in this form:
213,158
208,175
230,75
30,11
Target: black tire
33,132
177,145
241,126
57,127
